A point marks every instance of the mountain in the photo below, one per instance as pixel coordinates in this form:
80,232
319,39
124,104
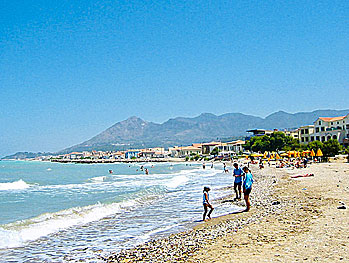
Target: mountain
135,132
24,155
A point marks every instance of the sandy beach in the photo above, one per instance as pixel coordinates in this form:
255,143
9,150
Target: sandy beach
291,220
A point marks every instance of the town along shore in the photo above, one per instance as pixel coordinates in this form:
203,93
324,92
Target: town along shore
291,220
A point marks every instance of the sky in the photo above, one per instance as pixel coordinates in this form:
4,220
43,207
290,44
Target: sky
70,69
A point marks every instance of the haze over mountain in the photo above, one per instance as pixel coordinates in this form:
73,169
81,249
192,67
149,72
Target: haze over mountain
135,132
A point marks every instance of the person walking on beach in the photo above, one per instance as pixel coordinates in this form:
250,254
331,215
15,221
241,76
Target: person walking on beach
237,173
206,203
247,187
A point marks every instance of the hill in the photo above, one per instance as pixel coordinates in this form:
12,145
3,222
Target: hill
24,155
135,132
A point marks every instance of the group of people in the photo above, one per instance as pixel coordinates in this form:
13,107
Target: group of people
296,163
243,178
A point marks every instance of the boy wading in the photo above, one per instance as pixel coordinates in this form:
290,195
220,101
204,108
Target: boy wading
237,173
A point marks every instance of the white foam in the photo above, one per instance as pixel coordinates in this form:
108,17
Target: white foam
149,234
15,234
17,185
176,181
98,178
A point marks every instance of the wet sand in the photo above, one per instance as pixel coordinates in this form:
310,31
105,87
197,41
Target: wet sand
291,220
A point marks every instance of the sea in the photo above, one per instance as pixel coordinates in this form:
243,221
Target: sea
54,212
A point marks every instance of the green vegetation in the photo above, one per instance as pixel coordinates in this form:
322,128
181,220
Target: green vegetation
276,141
331,148
215,151
313,146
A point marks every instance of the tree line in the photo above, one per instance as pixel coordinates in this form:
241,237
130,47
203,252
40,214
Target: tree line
278,141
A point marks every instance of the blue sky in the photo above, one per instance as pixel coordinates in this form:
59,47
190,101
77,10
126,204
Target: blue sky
70,69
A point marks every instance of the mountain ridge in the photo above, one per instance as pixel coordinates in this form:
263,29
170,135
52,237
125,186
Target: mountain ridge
135,132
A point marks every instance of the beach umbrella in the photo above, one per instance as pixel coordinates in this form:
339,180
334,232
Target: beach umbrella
312,153
272,156
319,152
277,157
289,154
265,155
284,154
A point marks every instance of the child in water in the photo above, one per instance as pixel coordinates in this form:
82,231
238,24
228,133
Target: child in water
206,203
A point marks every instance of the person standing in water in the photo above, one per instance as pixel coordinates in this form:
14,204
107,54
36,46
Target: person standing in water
206,203
237,173
247,187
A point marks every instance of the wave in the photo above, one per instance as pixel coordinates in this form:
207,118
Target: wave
153,232
17,185
98,179
176,181
17,233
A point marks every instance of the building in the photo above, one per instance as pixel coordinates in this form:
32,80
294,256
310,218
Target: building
119,155
132,154
208,147
292,133
337,128
184,151
235,146
190,150
76,155
306,134
259,132
147,153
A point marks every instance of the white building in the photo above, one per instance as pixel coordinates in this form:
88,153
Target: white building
306,134
235,146
185,150
337,128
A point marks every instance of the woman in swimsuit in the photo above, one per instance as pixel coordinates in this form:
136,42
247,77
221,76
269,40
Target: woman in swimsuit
206,203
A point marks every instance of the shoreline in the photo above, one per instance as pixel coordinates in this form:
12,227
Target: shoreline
180,246
283,209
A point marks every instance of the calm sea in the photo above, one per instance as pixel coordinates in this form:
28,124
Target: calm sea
51,212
